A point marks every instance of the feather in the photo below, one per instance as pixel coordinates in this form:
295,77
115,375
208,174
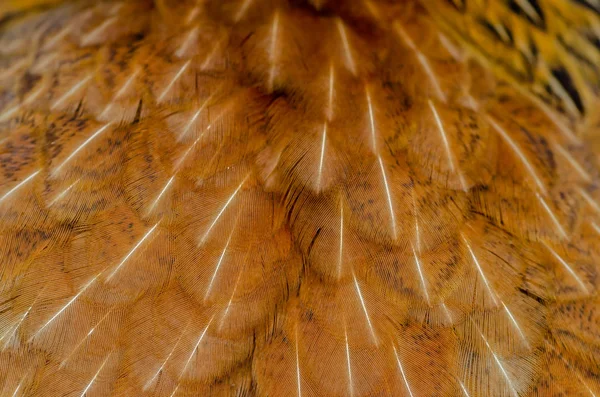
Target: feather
299,198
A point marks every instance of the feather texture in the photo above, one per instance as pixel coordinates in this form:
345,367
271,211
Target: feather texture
299,198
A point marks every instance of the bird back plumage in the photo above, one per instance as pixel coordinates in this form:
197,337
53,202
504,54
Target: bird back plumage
291,198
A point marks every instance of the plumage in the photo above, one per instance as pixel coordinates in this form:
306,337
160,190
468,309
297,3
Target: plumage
299,198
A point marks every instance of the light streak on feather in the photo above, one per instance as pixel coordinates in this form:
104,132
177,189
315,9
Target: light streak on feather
464,389
447,312
66,306
298,365
58,36
450,47
553,217
237,281
210,56
405,37
242,10
229,200
150,382
273,37
13,68
273,49
18,186
552,115
18,387
389,198
193,13
71,92
498,362
584,383
195,348
190,123
481,273
12,330
80,147
162,192
130,253
30,98
346,45
580,170
350,383
173,81
416,216
402,372
175,390
364,307
567,267
322,156
89,334
88,38
422,61
593,203
371,121
218,266
341,246
558,88
20,384
119,93
450,155
331,92
179,162
62,194
89,386
191,36
273,168
432,77
515,324
471,103
421,276
517,150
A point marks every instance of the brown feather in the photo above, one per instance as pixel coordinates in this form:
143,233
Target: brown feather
299,198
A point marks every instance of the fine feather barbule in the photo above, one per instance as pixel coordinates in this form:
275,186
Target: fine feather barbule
299,198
